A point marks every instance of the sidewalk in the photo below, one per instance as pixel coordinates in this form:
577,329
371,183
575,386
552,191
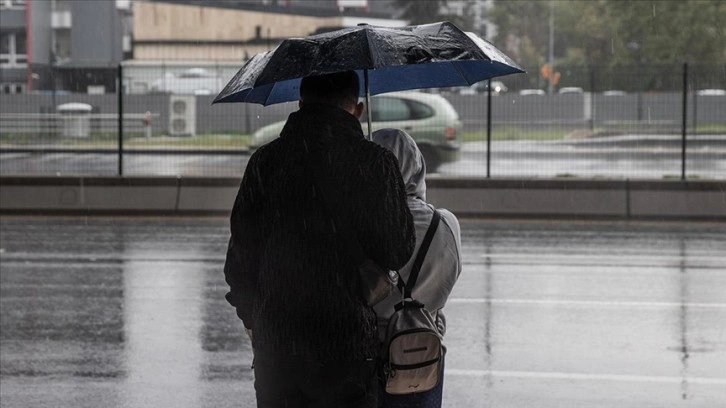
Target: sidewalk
129,312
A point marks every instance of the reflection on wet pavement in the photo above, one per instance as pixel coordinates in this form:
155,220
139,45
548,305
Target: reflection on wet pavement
130,312
137,302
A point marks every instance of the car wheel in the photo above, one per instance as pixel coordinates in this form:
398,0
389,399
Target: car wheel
431,157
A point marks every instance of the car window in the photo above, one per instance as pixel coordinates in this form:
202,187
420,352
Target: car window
390,109
396,109
420,110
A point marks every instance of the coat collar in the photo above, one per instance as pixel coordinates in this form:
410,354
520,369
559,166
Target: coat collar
321,121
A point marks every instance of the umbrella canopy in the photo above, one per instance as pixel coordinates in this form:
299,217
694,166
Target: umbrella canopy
386,59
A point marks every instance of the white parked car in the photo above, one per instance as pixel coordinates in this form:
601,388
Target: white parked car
711,92
194,81
532,92
614,92
571,90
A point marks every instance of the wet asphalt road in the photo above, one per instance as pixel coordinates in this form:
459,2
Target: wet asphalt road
632,156
129,312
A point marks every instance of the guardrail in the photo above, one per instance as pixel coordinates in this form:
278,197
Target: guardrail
54,124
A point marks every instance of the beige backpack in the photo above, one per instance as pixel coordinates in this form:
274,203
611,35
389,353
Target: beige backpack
413,347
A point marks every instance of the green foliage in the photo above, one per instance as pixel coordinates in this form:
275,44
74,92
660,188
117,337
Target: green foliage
430,11
516,133
421,11
613,36
522,30
619,33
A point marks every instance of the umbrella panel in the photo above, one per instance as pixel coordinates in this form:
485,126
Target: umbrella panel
388,79
396,59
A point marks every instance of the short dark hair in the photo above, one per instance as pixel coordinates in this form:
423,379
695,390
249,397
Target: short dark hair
340,88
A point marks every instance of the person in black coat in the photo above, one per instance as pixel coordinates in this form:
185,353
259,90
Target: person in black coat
290,275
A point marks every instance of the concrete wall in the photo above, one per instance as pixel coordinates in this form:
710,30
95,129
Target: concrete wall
465,197
95,33
40,43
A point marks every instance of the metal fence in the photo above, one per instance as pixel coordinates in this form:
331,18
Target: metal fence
663,122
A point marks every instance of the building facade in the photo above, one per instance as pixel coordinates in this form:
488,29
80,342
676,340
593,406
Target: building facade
222,30
65,45
77,45
196,46
13,46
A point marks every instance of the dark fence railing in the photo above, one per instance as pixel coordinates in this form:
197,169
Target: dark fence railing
637,122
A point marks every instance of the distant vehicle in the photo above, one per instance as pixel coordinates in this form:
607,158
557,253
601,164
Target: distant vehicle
711,92
614,92
430,119
532,92
571,90
498,87
194,81
466,90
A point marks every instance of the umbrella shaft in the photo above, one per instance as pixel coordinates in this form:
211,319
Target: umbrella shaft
368,103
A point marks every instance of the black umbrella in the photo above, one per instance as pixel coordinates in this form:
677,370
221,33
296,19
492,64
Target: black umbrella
396,59
387,59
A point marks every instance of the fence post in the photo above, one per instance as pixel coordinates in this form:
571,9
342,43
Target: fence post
684,121
120,110
489,127
248,125
592,98
694,111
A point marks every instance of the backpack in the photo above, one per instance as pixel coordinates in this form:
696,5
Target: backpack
413,347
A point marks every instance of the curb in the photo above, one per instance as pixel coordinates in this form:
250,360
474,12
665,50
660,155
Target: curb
466,197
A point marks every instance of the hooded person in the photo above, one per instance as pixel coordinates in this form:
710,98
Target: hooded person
292,279
441,267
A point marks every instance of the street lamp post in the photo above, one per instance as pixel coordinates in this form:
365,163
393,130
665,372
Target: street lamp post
551,55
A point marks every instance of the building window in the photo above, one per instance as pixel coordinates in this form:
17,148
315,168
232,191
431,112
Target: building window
21,45
9,88
12,4
13,49
63,45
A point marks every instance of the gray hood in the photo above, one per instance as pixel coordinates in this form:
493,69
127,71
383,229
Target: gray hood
410,160
442,265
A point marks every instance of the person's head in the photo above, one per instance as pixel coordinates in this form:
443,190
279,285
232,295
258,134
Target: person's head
410,159
339,89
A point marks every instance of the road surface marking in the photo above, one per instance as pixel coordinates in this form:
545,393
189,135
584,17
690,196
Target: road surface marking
588,303
569,258
585,377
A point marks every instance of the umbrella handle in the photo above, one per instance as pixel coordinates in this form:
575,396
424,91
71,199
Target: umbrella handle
368,102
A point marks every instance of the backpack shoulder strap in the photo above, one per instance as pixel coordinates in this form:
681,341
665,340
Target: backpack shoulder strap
423,249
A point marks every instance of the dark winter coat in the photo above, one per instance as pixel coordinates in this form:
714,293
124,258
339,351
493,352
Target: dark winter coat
290,277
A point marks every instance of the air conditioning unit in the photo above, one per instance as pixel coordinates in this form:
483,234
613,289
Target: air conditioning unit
182,115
